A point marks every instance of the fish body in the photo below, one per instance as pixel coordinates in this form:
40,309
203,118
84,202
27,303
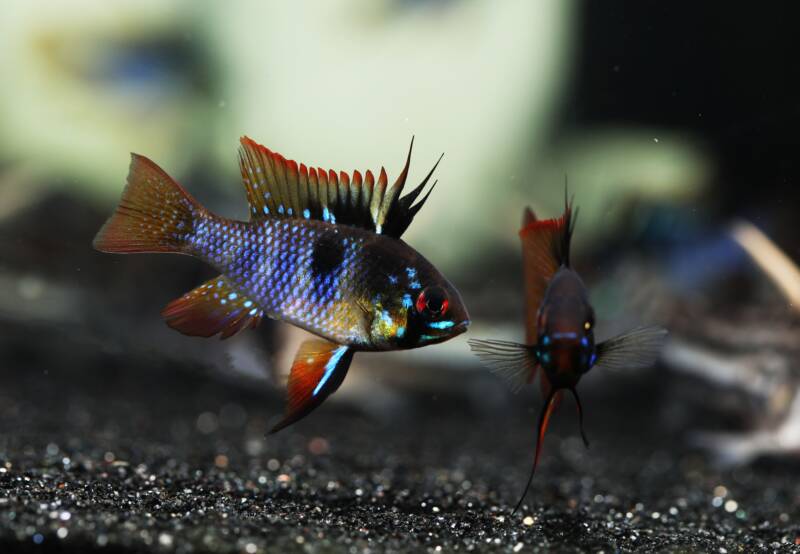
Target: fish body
560,321
345,284
321,251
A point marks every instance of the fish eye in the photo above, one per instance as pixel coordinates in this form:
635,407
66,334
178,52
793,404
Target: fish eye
433,301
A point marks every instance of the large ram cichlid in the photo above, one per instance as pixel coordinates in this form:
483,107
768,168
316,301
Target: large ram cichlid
321,251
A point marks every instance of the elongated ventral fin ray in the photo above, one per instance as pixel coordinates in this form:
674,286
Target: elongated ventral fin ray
155,214
544,420
579,406
636,349
277,187
515,363
545,248
317,371
215,307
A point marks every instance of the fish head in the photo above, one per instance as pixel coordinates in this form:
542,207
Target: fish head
418,307
566,345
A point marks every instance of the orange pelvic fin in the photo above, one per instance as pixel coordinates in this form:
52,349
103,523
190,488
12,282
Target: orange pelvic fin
544,420
317,371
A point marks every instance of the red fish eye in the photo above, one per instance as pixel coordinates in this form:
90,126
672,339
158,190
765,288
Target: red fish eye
433,300
422,302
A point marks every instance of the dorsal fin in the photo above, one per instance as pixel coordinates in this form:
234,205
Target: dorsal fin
277,187
545,248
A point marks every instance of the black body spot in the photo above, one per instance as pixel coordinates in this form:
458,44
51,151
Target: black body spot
327,256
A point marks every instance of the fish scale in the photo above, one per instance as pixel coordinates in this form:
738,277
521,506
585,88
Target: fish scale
269,261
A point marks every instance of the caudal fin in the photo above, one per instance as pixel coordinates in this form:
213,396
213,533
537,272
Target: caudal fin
155,213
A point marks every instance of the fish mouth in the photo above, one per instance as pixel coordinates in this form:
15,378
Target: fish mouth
461,327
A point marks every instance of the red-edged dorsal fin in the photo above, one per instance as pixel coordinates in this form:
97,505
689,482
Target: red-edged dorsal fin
155,213
317,371
215,307
545,248
277,187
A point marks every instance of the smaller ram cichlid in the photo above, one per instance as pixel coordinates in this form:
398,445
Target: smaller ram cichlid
322,251
559,325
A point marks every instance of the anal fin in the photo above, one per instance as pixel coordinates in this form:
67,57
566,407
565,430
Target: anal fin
317,371
214,307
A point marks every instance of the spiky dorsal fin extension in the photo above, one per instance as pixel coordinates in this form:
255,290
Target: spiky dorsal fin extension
545,248
277,187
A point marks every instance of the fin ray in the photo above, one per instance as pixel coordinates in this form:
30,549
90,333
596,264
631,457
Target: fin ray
636,349
515,363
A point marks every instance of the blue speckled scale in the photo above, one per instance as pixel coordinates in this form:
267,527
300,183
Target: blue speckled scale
272,263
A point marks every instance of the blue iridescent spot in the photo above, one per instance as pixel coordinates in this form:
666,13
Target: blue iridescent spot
329,368
411,272
306,213
414,285
546,357
440,324
584,341
401,332
546,340
393,279
280,209
232,296
407,302
254,311
290,211
248,303
326,215
592,359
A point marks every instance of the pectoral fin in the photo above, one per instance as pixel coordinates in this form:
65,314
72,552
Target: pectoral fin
317,371
215,307
636,349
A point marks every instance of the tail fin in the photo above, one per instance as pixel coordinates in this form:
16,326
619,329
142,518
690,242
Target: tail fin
545,248
155,213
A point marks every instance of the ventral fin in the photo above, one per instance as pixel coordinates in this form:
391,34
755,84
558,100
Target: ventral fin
215,307
277,187
545,248
317,371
